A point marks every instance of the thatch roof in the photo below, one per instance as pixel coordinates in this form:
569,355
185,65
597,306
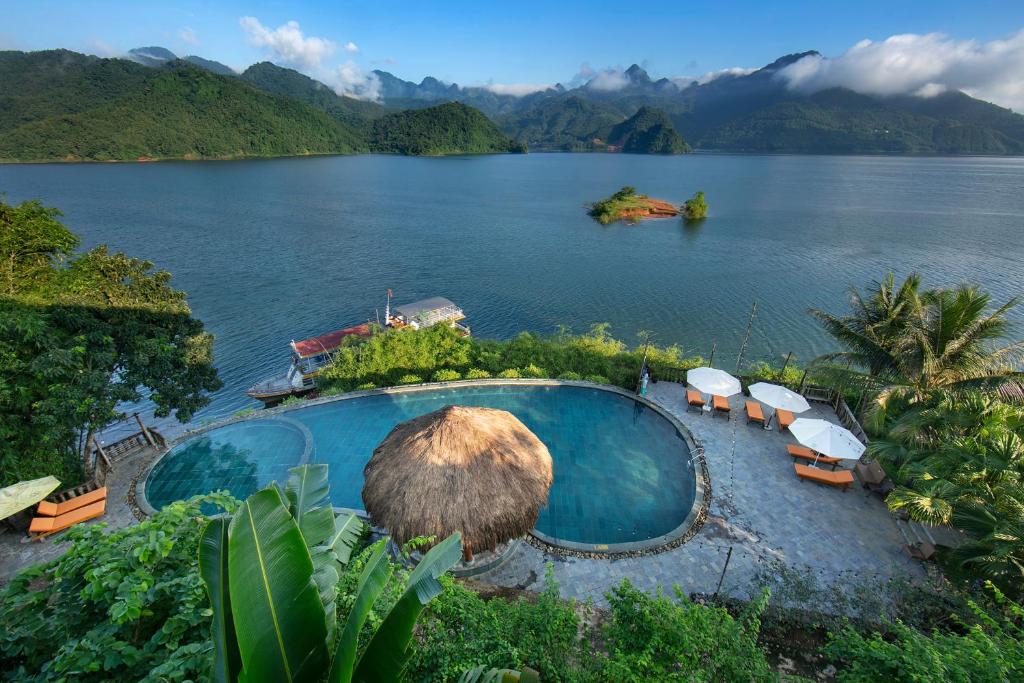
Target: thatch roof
475,470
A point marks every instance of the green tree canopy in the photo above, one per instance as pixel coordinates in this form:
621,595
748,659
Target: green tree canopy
79,334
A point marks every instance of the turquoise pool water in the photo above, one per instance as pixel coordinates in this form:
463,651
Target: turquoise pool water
621,470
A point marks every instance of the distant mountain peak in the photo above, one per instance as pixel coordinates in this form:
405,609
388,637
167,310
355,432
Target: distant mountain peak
637,74
786,60
153,55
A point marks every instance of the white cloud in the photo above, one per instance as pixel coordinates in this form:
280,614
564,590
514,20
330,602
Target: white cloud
288,43
101,48
920,64
189,36
607,80
350,80
517,89
731,71
351,48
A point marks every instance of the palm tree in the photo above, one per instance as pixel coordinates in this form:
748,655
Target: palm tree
906,342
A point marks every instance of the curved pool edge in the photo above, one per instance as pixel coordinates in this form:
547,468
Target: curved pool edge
682,533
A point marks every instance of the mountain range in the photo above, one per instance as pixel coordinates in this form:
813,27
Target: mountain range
59,104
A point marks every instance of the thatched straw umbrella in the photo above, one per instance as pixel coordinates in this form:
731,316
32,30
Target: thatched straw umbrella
475,470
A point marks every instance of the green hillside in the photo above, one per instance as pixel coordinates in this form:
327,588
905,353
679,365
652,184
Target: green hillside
278,80
179,111
450,128
567,124
648,131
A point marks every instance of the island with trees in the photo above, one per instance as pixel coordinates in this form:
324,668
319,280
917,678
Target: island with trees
695,208
627,205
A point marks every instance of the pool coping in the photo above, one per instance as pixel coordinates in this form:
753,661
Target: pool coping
680,534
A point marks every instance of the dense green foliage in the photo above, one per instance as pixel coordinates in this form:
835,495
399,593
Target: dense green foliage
118,606
990,649
179,111
940,367
572,124
695,208
79,333
284,82
451,128
63,105
386,358
648,131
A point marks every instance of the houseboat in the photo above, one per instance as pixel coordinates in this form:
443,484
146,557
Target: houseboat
309,356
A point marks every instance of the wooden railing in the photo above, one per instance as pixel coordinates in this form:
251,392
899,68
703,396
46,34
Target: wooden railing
105,457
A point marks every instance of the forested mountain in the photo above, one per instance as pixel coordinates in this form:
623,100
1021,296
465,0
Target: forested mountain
648,131
278,80
61,105
178,111
450,128
740,112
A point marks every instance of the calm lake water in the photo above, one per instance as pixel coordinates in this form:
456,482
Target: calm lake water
276,250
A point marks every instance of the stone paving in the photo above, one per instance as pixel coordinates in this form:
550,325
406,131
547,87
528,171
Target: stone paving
758,508
17,552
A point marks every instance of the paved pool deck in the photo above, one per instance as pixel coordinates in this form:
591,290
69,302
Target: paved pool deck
758,508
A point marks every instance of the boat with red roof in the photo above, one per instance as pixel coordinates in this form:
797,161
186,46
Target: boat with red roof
309,356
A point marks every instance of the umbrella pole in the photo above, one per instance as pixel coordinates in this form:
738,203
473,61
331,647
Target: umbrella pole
768,424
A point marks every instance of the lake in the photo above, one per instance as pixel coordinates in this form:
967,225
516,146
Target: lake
275,250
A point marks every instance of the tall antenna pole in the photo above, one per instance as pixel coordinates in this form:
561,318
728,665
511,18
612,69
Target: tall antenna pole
711,360
746,336
782,373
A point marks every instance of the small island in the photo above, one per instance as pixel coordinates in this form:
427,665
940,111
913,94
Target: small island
695,208
627,205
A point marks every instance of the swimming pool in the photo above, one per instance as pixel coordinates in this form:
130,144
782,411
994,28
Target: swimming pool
622,470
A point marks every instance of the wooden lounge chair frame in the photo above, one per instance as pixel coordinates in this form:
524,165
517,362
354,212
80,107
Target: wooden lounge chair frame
48,509
754,413
695,400
785,418
720,405
843,479
803,453
42,527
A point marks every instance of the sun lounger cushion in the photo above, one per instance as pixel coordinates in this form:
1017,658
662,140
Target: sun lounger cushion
48,525
840,478
786,418
754,413
694,398
47,509
720,403
798,451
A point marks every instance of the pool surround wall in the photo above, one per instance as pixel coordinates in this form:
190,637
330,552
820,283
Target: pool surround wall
680,534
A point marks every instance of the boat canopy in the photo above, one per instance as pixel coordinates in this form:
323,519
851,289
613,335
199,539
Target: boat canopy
325,343
429,312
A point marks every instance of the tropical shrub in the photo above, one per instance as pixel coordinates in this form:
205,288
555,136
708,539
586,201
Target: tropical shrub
509,373
597,379
991,648
410,379
533,371
477,373
658,638
571,376
695,208
365,386
272,572
460,629
446,375
118,606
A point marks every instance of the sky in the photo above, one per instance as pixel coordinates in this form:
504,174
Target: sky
920,47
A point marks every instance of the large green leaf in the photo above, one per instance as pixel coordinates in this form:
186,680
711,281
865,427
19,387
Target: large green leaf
385,655
278,616
309,502
372,581
213,568
347,531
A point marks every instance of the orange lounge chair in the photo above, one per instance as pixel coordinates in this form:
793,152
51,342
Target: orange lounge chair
42,527
754,413
786,418
843,478
801,453
47,509
694,400
720,404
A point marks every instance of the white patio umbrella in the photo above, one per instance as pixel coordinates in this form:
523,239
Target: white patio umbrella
17,497
826,438
778,398
712,381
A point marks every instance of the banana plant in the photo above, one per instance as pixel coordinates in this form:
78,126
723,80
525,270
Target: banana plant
484,675
271,572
